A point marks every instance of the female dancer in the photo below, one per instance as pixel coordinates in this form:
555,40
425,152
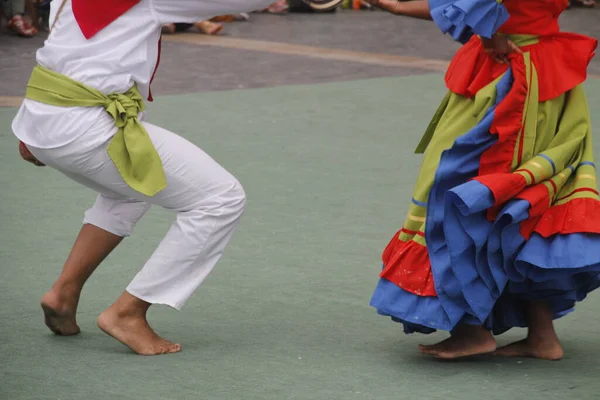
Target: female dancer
502,229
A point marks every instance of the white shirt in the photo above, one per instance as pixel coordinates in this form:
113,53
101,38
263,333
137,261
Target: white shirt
122,54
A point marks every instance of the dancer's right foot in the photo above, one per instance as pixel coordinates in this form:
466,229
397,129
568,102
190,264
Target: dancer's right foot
542,341
60,308
130,327
542,348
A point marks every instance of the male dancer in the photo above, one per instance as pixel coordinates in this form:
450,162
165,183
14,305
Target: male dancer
82,116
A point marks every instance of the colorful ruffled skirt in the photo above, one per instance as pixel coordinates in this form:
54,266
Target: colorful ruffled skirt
506,207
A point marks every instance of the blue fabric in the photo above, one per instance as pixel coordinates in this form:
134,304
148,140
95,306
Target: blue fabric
484,271
419,203
463,18
457,165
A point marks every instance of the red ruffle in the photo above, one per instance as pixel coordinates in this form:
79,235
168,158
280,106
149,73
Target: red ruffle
575,216
503,187
407,265
560,59
539,199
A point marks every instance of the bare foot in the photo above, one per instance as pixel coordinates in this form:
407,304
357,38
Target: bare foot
209,27
59,312
135,332
544,349
465,341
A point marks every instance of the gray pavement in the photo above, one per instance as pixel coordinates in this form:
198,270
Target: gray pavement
328,170
191,68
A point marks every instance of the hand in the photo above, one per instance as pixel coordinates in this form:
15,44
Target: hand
392,6
27,156
499,47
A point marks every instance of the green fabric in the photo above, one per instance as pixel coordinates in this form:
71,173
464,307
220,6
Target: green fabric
251,341
557,130
131,149
433,124
456,116
519,40
572,169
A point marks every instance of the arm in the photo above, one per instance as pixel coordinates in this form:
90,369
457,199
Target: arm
460,18
170,11
415,9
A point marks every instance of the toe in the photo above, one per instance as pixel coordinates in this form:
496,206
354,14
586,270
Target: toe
428,349
169,349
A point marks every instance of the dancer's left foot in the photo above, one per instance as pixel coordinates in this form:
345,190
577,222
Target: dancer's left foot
466,341
60,307
545,349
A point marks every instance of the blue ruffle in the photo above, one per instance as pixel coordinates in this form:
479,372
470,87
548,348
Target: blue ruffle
561,269
463,18
458,164
483,271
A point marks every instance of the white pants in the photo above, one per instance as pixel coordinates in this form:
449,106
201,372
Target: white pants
208,200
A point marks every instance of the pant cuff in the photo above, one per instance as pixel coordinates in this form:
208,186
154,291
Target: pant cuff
108,222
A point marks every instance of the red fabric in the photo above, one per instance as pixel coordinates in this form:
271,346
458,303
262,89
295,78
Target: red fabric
507,124
571,217
533,17
528,172
547,220
504,187
407,265
414,233
150,98
539,199
560,59
92,15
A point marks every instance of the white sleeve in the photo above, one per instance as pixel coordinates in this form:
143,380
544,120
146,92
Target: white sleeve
190,11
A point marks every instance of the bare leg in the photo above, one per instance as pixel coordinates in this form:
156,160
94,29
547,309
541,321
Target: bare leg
91,247
169,29
466,340
209,203
542,341
126,321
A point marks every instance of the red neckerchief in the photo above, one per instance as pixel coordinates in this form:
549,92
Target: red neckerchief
93,15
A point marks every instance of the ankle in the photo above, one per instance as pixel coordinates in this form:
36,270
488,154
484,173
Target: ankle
67,289
542,337
128,306
127,312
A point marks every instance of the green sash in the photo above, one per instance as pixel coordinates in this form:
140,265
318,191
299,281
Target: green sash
131,149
